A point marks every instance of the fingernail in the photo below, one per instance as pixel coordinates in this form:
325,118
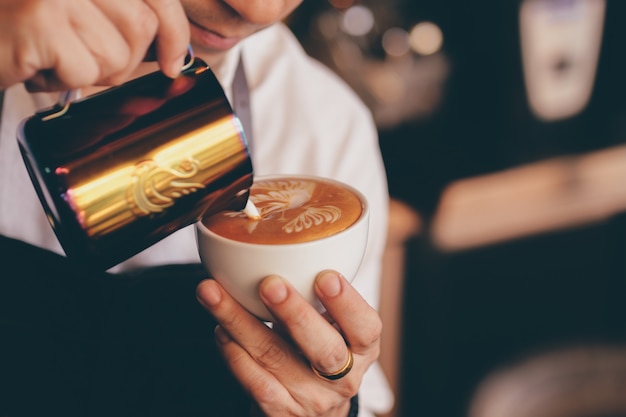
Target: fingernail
176,67
329,284
274,290
208,293
221,335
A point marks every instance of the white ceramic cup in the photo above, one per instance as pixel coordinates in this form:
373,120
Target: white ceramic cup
239,266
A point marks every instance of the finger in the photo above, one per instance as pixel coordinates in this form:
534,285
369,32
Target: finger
359,322
173,35
74,65
252,377
257,338
268,358
136,23
79,70
271,394
318,340
55,52
276,376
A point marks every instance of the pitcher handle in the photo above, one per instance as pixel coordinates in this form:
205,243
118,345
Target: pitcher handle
66,97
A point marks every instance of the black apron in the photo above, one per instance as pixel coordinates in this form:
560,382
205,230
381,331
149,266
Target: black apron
101,344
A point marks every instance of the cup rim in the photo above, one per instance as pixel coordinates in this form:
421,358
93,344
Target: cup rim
363,217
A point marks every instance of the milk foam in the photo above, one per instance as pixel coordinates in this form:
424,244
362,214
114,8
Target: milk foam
251,211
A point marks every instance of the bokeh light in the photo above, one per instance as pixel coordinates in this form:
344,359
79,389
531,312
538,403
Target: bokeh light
426,38
395,42
346,55
357,21
327,25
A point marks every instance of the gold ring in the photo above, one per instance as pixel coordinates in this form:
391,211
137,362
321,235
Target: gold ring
333,376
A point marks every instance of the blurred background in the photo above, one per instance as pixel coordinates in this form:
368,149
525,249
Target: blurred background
503,128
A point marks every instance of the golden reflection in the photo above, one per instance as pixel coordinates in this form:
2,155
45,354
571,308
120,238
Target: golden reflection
178,168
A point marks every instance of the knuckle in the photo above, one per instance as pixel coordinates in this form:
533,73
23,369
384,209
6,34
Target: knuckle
350,388
115,71
25,60
370,335
263,392
232,321
322,405
145,23
271,356
319,405
334,359
298,319
113,80
118,61
89,76
167,7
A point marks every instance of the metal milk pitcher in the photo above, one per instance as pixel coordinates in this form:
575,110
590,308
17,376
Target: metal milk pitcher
122,169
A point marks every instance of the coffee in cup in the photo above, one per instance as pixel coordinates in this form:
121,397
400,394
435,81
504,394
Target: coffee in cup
290,210
305,225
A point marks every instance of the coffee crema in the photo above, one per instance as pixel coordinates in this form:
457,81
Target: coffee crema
292,210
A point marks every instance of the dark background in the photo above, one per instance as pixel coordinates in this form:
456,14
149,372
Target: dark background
469,313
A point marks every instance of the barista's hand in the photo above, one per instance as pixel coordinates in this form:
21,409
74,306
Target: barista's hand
274,365
66,44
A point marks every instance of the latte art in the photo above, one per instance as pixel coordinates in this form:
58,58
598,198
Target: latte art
290,210
279,196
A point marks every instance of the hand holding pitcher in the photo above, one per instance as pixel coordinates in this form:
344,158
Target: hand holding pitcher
75,43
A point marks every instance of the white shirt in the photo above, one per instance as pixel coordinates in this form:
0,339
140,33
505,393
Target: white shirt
305,120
